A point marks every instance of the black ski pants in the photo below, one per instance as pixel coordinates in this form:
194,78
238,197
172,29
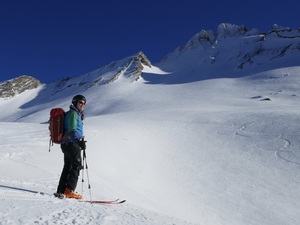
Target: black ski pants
72,166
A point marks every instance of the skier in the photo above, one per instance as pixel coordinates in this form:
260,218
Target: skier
71,146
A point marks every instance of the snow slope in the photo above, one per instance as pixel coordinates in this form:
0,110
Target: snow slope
180,150
215,154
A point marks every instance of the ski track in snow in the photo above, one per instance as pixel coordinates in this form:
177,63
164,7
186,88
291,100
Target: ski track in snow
268,142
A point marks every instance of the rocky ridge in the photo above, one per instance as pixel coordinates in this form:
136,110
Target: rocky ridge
13,87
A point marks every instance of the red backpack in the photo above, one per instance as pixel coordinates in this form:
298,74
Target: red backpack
56,125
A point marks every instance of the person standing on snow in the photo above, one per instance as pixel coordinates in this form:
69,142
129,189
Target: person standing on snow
71,146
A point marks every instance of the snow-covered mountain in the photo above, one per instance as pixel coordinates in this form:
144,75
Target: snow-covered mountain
208,135
232,51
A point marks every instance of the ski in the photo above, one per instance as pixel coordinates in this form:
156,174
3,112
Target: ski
108,202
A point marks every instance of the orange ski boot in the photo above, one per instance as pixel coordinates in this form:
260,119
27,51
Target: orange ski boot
71,194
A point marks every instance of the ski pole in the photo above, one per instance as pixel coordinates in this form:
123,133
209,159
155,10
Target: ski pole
82,175
87,174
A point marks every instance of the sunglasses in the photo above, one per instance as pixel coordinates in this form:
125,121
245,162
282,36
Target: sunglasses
81,102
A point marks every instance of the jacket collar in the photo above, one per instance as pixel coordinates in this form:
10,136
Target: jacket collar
74,108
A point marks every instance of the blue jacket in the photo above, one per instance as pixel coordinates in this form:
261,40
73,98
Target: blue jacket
73,126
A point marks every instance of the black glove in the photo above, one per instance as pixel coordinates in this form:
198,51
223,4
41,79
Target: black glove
82,144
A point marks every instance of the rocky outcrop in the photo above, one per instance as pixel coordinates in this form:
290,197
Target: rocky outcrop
17,86
136,65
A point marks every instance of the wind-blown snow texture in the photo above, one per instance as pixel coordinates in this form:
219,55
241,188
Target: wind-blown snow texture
209,135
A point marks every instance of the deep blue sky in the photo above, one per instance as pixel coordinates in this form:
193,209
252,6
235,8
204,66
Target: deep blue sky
52,39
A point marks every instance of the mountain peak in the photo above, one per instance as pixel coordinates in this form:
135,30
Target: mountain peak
239,47
133,70
18,85
231,30
207,38
129,69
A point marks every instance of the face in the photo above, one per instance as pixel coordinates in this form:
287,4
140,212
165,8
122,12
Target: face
80,105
